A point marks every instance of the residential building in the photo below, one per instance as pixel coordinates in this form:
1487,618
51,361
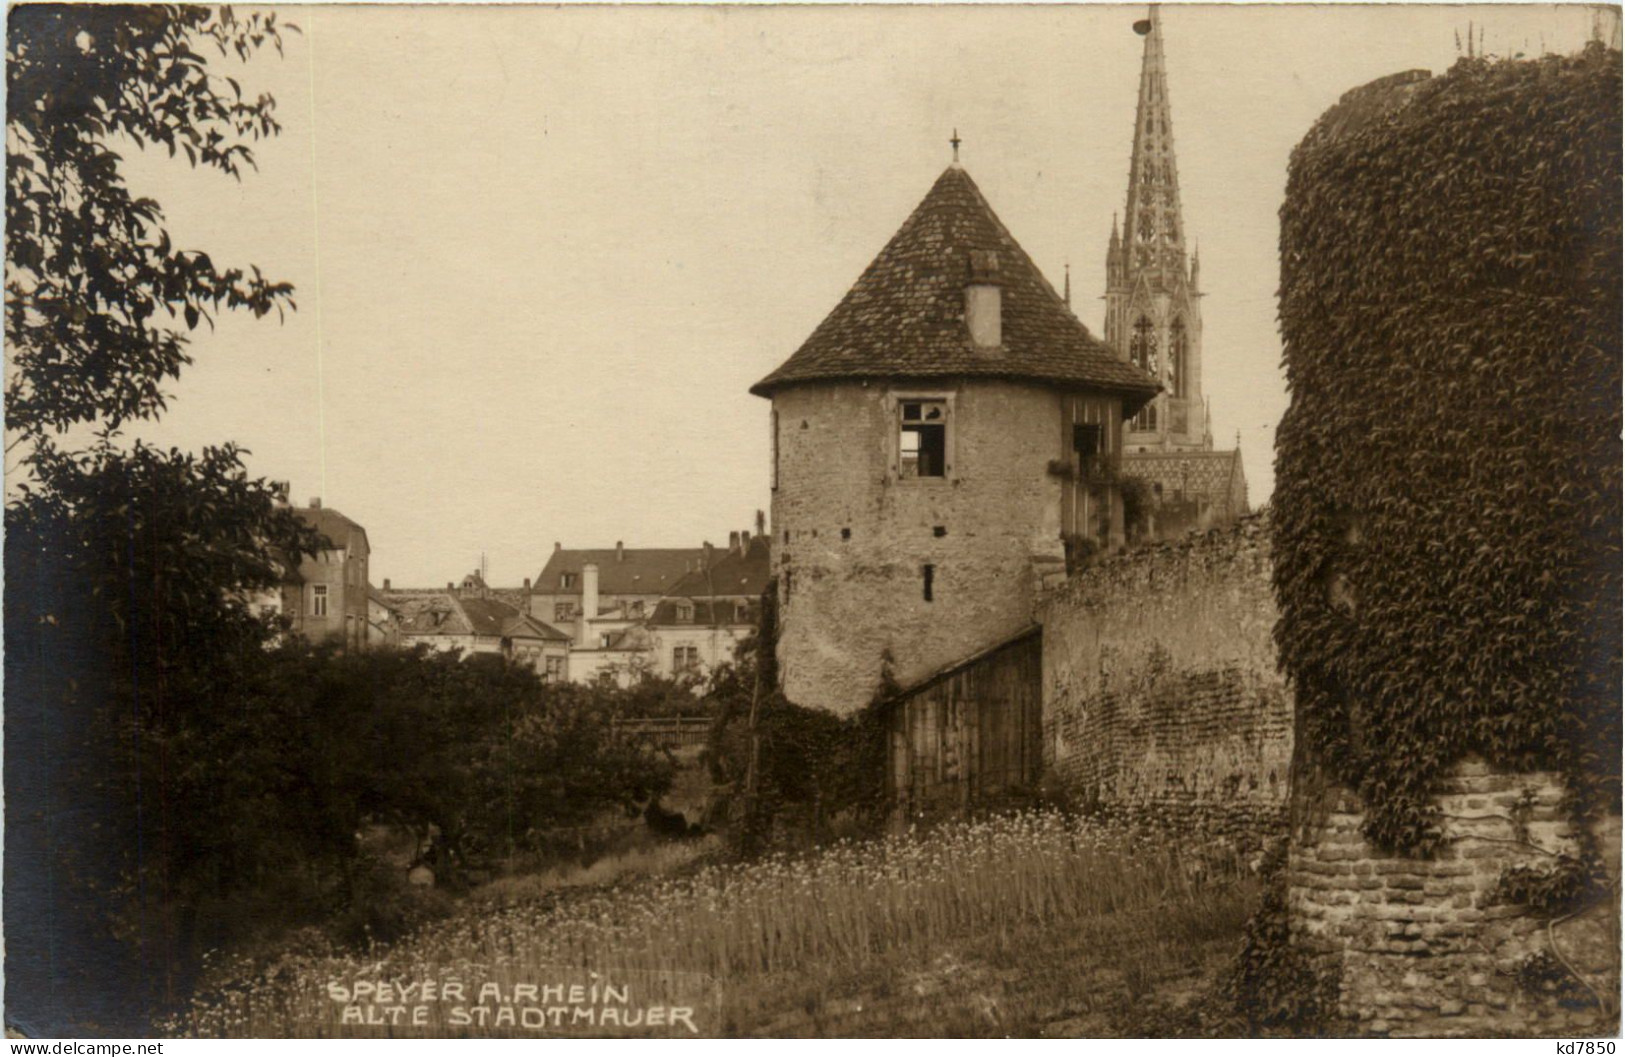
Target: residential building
629,581
383,619
325,597
706,613
451,620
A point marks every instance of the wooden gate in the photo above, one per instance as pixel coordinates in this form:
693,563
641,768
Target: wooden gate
972,733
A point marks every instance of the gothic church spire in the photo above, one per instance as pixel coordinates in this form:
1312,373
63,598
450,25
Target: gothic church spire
1154,232
1153,315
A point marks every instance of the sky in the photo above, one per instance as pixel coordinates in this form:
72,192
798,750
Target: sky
542,253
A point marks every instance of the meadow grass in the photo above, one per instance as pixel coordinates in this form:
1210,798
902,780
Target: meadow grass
762,942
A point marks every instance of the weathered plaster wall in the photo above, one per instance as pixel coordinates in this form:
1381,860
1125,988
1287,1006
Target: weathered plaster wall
1161,693
1428,947
846,598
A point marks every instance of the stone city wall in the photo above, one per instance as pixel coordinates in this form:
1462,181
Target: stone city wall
1161,694
1436,946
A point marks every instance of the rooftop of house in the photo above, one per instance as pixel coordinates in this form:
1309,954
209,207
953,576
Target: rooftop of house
905,315
621,570
680,612
735,573
443,613
332,524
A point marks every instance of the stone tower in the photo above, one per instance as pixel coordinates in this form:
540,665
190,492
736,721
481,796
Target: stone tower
1153,306
944,436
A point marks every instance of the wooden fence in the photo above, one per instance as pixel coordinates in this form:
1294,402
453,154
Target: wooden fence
671,732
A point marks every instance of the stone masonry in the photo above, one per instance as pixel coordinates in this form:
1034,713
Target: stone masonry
1430,947
1161,693
851,539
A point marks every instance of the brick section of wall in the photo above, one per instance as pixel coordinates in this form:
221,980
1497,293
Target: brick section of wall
1424,947
1162,696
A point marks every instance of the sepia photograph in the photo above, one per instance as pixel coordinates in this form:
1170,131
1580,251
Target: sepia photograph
808,521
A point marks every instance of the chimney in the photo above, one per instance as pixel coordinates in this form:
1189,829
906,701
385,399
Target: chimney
589,591
557,546
386,583
315,502
527,585
620,552
708,558
984,301
733,541
451,588
761,523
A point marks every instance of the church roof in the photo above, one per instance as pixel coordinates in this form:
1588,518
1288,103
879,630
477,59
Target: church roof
1217,476
905,316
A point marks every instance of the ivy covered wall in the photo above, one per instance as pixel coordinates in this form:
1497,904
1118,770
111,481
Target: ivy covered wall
1447,503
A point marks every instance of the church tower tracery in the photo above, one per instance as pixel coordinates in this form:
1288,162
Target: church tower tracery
1153,306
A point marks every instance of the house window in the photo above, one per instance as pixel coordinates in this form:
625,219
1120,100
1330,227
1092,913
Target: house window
555,670
603,641
922,441
564,611
637,609
318,600
685,612
567,580
685,658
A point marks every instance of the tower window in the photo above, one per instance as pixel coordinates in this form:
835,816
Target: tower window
1142,346
928,574
922,443
318,600
1176,358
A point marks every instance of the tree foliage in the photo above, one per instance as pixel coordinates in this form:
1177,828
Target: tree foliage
1448,473
96,292
128,634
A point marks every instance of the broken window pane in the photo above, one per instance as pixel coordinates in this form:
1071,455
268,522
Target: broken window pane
922,446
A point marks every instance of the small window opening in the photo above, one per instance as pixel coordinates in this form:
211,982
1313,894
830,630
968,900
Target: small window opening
939,531
846,533
928,574
1086,439
787,535
923,440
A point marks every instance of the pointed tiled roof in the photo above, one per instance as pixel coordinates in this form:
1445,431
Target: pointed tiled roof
905,316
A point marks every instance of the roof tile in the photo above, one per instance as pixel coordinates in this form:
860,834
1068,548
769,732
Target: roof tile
905,316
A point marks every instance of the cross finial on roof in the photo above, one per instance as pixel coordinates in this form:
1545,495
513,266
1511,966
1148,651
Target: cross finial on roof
955,142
